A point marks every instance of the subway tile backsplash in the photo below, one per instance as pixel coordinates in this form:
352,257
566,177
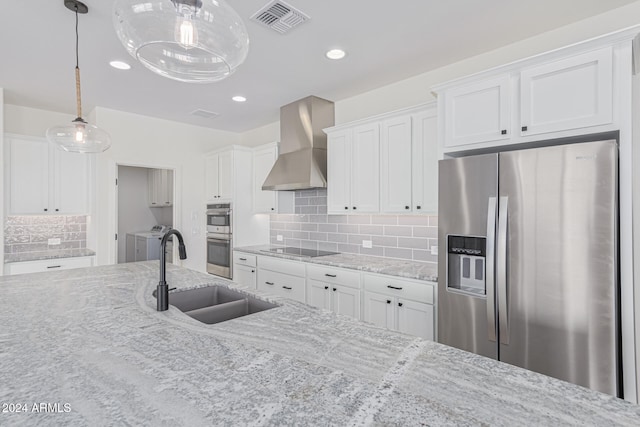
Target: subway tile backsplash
31,233
394,236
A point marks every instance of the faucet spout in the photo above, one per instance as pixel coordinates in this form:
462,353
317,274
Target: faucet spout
162,292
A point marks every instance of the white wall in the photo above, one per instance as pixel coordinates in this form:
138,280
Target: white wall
149,142
134,213
32,121
2,112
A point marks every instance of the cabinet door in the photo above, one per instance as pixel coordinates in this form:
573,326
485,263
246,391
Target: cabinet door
415,318
395,165
245,275
365,169
71,182
318,294
29,176
379,309
572,93
155,187
225,175
477,112
339,172
346,301
141,248
211,176
264,201
167,187
425,162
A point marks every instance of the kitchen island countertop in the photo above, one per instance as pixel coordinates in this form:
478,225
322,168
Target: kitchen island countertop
90,343
50,254
373,264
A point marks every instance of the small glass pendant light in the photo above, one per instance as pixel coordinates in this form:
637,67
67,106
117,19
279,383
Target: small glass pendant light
79,136
194,41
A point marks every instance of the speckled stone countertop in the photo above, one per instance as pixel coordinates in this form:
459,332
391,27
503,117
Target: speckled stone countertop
53,254
90,343
394,267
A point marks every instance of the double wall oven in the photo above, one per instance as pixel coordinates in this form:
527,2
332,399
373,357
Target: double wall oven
219,240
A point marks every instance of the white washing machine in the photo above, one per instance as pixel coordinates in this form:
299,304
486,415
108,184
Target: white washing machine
145,245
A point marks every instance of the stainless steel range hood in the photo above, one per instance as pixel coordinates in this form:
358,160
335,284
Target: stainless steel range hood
302,162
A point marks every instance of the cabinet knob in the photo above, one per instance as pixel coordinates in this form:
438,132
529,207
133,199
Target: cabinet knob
346,207
406,207
334,289
273,209
399,304
46,210
326,287
503,132
524,128
354,208
57,210
388,301
253,271
418,207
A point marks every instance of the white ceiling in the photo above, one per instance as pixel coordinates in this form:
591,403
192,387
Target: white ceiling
386,41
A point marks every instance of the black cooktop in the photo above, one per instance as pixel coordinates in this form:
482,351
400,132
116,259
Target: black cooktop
311,253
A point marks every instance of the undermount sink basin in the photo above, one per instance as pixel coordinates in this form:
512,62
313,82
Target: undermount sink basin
215,304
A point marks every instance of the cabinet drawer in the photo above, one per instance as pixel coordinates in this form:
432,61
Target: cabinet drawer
280,265
242,258
48,265
334,275
282,284
402,288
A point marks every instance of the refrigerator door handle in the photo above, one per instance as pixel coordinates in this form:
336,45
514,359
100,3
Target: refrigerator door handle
501,267
490,263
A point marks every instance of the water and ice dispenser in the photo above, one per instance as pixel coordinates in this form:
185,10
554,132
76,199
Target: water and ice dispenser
466,265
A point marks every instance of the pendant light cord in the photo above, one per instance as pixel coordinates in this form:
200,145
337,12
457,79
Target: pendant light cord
78,101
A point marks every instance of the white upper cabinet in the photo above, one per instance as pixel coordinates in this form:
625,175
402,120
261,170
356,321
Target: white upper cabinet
395,165
478,112
572,93
565,93
409,163
365,169
40,179
219,176
339,171
160,188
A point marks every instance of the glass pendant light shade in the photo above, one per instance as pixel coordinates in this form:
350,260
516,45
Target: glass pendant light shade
195,41
79,137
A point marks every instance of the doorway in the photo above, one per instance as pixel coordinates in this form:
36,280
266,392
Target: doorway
145,210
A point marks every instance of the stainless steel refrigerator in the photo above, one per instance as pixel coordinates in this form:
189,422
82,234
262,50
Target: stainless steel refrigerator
528,271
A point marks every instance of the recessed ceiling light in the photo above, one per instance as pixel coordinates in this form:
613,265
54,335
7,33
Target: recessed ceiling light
335,54
239,98
120,65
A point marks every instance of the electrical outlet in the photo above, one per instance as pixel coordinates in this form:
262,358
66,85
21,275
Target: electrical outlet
54,241
194,216
367,244
434,250
279,237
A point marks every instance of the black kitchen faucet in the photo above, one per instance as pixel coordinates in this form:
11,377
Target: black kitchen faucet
162,292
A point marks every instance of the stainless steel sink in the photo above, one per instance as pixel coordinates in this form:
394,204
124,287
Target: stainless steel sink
215,304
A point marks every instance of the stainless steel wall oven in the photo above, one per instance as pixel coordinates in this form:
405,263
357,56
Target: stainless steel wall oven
219,240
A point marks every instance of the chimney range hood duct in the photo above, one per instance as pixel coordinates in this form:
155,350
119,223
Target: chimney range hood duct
302,162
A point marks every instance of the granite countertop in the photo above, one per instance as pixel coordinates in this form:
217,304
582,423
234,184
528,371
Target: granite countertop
90,343
373,264
51,254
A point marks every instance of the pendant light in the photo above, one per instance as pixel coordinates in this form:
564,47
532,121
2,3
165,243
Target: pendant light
79,136
194,41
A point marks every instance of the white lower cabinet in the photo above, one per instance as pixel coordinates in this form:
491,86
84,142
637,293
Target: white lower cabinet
48,265
245,271
282,277
334,289
403,305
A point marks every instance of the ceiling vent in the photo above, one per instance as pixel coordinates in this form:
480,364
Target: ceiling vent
279,16
204,114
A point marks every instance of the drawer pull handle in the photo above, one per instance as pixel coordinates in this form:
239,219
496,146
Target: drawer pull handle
54,266
243,259
398,288
330,275
287,288
269,283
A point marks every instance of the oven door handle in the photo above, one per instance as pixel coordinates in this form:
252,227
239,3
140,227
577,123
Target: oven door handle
224,212
211,239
